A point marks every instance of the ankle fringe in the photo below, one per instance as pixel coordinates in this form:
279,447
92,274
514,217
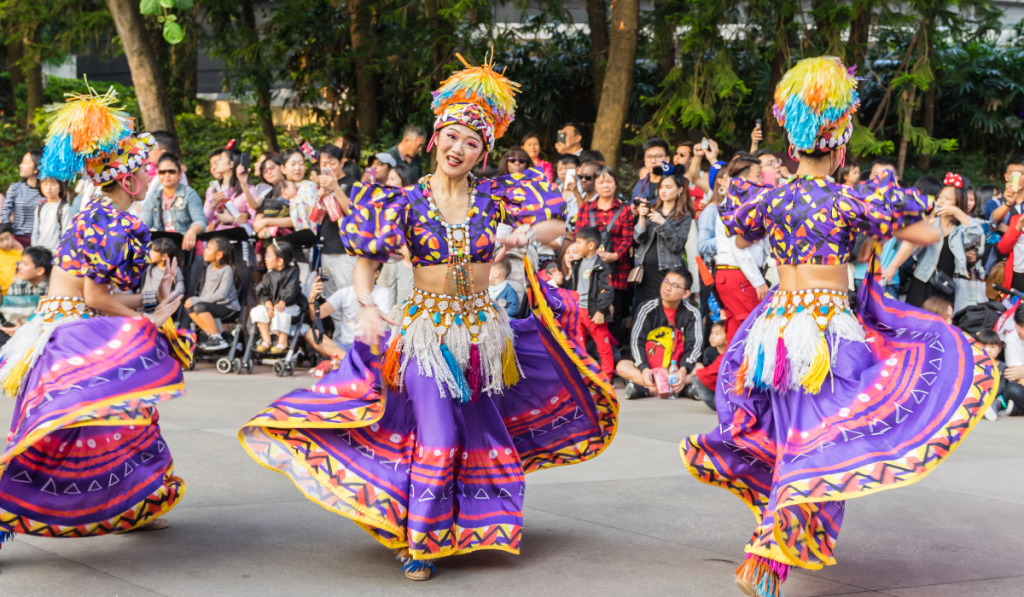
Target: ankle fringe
411,565
764,575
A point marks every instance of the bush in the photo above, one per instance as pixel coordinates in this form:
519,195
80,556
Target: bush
15,142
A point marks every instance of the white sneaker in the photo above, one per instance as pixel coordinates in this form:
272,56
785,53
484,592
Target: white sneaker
990,414
1009,408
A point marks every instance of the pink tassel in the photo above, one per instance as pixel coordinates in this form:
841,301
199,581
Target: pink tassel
475,374
433,138
781,378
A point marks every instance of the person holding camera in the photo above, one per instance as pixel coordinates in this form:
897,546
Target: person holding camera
661,231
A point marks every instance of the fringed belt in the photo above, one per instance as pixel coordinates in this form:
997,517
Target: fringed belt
792,344
52,308
464,344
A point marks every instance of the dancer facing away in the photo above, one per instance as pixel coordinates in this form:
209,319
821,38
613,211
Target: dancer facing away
817,405
425,448
84,456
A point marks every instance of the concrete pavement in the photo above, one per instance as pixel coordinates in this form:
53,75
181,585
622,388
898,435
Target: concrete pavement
631,522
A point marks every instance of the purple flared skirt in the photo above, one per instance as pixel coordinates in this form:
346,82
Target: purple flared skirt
893,408
84,455
431,474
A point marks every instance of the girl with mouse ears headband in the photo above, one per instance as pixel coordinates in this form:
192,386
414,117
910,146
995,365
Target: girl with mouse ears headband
446,393
823,402
90,367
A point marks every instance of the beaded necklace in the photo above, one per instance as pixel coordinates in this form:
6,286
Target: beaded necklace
457,236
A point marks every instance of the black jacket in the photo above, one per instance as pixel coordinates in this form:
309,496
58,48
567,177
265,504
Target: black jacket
600,293
280,286
651,316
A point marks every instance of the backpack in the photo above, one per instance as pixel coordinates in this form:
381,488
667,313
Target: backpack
975,318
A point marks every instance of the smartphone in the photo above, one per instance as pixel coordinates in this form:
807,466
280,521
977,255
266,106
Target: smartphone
769,177
570,179
561,138
371,172
326,171
245,160
757,123
705,145
1015,181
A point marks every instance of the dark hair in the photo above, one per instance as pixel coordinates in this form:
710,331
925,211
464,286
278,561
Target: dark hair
575,127
987,336
939,306
683,273
684,203
405,172
288,153
884,162
655,142
216,152
737,166
333,151
164,246
41,257
284,251
62,193
504,266
529,136
513,152
961,198
590,234
5,228
236,158
717,324
414,131
763,151
929,185
688,144
278,189
37,159
351,148
603,169
845,171
169,157
568,158
167,140
271,156
985,193
1016,160
1018,316
591,155
228,258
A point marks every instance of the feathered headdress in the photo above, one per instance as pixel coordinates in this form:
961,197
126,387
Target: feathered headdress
90,133
815,102
477,97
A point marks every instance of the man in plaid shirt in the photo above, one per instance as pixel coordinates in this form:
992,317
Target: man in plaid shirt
599,212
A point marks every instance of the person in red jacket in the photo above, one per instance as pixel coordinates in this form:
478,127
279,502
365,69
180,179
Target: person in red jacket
1012,245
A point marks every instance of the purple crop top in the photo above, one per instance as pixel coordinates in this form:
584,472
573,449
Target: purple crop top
385,218
814,221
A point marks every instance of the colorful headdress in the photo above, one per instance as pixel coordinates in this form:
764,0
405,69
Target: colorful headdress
477,97
815,102
90,133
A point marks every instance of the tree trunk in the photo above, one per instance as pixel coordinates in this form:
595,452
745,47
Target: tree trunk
618,80
860,28
154,102
17,78
264,111
366,81
438,48
779,65
909,97
665,43
33,75
924,161
597,18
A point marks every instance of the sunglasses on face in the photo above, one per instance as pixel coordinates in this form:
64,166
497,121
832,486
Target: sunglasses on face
587,177
162,172
517,160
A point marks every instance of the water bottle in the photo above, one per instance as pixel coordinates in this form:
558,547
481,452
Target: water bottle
673,374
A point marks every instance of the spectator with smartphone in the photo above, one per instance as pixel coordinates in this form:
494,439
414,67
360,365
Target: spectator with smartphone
335,263
570,140
771,167
407,151
683,154
646,189
1012,243
661,231
377,168
230,199
531,143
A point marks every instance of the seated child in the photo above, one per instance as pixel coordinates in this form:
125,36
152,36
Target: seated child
344,301
702,383
940,307
501,293
275,211
219,296
279,294
10,255
1010,393
161,252
31,282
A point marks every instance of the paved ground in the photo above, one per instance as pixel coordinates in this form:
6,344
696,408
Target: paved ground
631,522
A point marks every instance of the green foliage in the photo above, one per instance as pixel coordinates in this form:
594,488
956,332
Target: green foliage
15,142
171,29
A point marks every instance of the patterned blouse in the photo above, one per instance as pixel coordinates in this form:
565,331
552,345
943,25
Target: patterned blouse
383,219
106,245
814,221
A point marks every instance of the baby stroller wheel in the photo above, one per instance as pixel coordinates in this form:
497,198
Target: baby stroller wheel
236,365
279,369
223,365
289,369
247,367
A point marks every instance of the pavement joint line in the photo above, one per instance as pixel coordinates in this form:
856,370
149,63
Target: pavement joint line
83,565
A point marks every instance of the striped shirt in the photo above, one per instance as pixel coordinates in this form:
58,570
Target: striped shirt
21,202
52,219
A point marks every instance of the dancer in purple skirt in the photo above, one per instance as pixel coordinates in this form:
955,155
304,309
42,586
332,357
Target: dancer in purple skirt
84,455
817,403
423,434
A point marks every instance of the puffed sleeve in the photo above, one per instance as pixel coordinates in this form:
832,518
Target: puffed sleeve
107,246
743,209
527,198
879,206
375,227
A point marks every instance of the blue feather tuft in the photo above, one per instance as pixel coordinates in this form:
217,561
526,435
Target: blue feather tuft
460,379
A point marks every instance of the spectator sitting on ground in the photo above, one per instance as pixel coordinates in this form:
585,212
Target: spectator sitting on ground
172,205
705,378
1009,393
10,255
162,253
407,151
346,303
573,143
278,294
1013,391
666,330
30,283
501,293
219,297
940,307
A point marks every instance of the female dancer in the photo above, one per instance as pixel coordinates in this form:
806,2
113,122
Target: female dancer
426,449
85,456
817,405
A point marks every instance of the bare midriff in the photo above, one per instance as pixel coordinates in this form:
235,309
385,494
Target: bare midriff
807,277
431,278
64,284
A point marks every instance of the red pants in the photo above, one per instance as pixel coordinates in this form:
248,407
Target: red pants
738,298
602,338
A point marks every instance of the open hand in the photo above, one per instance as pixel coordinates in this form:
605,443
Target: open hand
168,281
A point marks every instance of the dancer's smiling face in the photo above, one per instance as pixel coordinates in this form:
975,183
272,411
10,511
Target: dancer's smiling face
459,148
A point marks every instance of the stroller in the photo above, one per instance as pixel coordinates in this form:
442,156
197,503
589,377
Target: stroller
283,364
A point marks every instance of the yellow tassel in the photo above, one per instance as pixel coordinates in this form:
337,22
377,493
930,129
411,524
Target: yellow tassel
182,347
392,362
510,367
820,369
12,385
